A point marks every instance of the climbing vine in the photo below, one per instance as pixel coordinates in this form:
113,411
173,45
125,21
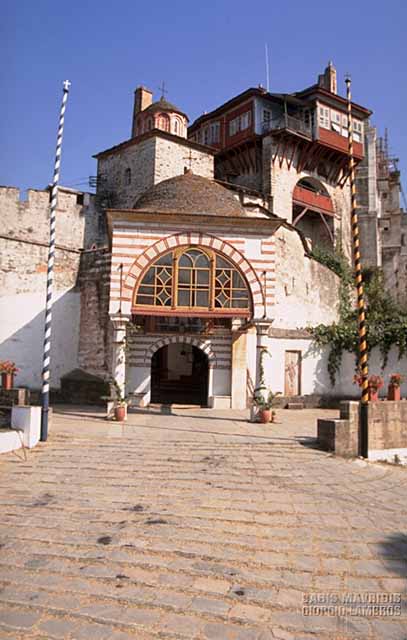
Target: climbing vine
386,320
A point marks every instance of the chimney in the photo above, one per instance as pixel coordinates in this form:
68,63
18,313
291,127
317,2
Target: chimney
142,99
327,80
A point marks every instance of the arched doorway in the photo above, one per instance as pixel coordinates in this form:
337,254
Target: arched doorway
179,375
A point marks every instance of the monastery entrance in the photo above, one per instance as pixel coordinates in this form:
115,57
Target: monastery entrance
179,375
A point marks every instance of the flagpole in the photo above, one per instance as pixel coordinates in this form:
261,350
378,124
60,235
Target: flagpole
50,270
363,350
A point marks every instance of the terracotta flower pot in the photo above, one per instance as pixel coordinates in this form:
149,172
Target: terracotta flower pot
393,392
373,394
7,381
120,413
265,415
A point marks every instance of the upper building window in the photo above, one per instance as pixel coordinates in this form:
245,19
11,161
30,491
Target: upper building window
324,117
215,132
357,130
127,176
211,133
240,123
164,122
193,278
336,121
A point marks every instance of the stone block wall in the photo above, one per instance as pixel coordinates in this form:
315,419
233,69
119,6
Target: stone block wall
76,218
130,169
94,349
387,425
306,292
387,429
172,157
23,268
114,189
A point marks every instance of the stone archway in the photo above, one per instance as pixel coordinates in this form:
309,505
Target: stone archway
179,375
204,345
181,370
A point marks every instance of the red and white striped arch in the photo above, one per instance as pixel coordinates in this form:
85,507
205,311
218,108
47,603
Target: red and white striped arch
204,345
137,268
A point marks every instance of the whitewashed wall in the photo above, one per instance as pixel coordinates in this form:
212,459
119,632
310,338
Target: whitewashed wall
314,375
22,335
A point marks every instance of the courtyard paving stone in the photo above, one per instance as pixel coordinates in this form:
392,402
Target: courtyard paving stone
196,525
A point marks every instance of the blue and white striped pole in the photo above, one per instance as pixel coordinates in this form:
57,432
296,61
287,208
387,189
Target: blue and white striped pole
50,270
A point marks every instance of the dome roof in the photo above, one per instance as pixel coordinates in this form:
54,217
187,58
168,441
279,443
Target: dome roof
190,194
163,105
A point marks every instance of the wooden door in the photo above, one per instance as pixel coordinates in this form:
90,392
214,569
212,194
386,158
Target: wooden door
292,379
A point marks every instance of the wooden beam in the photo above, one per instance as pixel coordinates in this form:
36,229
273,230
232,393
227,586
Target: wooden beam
298,218
281,159
327,226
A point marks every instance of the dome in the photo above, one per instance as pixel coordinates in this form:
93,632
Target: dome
163,105
190,194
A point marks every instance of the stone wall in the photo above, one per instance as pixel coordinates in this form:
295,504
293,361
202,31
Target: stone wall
114,190
77,222
150,161
387,430
306,292
94,349
23,269
387,425
172,158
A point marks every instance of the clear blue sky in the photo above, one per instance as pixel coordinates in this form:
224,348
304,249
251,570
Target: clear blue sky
205,51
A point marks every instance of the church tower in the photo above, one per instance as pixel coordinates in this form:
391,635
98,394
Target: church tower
163,115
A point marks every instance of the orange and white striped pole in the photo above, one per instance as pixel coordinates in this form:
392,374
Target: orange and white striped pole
363,350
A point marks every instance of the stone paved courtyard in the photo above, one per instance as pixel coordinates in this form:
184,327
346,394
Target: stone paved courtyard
196,525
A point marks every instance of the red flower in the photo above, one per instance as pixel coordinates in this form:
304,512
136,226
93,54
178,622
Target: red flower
396,379
6,366
374,382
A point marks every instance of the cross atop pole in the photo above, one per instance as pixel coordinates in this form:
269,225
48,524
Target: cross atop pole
189,159
163,89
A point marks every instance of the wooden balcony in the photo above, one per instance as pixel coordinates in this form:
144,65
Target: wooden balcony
339,143
313,200
289,124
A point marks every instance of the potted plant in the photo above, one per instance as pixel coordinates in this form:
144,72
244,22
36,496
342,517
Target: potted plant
393,390
120,401
8,370
374,383
264,403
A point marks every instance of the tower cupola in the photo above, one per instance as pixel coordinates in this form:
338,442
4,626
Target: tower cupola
148,115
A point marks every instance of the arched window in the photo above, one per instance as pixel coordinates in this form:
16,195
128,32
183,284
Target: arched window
175,126
192,278
164,122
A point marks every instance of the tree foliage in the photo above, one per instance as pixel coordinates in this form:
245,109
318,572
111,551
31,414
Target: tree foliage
386,320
